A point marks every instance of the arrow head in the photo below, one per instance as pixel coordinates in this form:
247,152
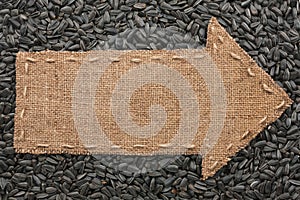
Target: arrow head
253,98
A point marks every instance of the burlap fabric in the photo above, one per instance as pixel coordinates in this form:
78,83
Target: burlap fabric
211,101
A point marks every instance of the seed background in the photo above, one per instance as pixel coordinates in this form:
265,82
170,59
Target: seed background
268,168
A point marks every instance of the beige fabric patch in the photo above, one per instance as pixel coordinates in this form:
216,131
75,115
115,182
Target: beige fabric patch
211,101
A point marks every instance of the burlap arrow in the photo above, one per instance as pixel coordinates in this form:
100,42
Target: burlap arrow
211,101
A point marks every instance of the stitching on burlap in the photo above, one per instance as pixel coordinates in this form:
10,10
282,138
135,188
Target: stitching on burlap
43,145
22,113
25,91
214,165
267,88
71,59
280,105
113,59
22,132
229,146
49,60
263,120
245,135
235,56
26,68
250,72
136,60
68,146
221,39
32,60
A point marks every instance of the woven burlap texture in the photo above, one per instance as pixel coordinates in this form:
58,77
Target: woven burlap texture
45,121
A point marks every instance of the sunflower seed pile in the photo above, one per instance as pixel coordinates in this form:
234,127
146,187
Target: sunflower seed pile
269,30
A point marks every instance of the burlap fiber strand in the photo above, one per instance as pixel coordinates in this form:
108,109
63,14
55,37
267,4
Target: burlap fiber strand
211,101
